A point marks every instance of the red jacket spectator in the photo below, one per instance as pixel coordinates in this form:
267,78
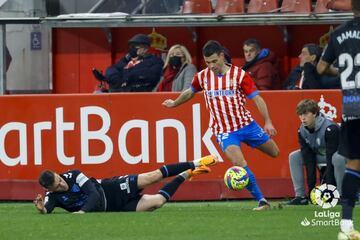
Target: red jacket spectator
264,70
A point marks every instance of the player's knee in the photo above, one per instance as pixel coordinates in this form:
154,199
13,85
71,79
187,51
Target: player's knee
154,176
160,202
239,162
338,162
275,153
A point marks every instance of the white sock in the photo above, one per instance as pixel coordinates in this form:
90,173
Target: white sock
346,225
197,162
185,174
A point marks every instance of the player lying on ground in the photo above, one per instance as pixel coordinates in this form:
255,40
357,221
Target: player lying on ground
75,192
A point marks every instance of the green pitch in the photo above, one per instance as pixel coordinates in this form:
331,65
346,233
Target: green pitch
188,220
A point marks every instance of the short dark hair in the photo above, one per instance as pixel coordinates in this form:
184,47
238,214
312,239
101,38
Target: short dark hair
314,49
253,41
47,178
307,105
212,47
355,5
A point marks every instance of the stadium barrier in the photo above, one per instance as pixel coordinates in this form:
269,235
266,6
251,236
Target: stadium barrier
116,134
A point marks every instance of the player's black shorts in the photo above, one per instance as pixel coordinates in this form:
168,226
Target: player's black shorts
122,193
349,145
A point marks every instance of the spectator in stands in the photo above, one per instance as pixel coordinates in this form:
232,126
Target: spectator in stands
262,65
178,70
75,192
319,139
305,76
137,71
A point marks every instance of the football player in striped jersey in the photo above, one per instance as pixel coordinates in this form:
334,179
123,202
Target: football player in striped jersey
225,89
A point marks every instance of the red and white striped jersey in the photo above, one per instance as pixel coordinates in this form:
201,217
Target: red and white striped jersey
225,97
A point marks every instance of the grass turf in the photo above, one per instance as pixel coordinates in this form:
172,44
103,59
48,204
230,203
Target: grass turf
188,220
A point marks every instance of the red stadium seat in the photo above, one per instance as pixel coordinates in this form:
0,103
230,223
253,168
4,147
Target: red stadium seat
263,6
197,6
320,7
296,6
230,6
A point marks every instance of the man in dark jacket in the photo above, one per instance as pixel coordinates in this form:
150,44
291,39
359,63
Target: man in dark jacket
305,76
262,65
137,71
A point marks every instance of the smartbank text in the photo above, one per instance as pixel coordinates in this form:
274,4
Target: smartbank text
101,134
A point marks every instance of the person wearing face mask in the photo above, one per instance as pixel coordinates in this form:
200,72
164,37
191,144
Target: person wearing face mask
178,70
137,71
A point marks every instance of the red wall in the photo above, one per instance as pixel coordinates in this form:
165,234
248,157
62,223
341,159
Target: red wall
76,51
64,130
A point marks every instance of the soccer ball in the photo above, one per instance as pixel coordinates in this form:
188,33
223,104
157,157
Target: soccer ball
236,178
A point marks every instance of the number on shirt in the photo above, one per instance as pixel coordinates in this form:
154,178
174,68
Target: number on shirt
68,175
346,60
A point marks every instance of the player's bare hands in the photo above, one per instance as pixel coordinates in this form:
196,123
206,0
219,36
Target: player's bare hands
270,129
39,203
308,59
169,103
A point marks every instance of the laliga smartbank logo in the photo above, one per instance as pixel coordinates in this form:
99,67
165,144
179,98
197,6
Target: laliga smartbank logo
326,196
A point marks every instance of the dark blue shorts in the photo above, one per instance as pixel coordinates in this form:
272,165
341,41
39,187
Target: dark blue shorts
349,139
122,193
252,134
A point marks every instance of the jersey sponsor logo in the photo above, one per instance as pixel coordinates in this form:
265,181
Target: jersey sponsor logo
221,93
351,99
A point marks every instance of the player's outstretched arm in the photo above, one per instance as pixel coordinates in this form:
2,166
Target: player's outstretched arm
261,105
184,97
39,204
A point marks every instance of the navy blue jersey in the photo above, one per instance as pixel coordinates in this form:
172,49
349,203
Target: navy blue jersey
83,194
344,46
